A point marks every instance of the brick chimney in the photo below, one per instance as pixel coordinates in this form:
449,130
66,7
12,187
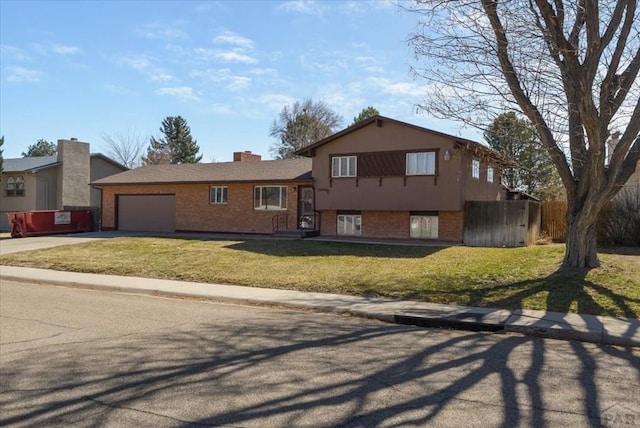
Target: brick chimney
246,156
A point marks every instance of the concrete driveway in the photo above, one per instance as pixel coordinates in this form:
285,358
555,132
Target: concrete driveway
14,245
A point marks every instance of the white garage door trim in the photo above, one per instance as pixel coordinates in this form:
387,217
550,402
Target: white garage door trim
147,213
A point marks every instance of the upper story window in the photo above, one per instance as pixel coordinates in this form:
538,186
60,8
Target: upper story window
475,168
343,166
270,198
421,163
489,174
15,186
218,195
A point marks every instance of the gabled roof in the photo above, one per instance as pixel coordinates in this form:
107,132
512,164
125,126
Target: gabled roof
223,172
29,164
460,142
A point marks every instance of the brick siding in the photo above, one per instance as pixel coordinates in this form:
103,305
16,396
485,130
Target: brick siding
195,213
395,224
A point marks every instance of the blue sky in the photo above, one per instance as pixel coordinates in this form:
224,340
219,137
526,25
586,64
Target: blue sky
85,69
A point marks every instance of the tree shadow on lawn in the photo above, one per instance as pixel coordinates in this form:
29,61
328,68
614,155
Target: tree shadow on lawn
563,289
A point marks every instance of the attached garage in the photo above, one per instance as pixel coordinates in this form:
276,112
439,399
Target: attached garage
147,213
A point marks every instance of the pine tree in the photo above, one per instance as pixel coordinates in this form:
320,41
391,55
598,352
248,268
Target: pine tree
516,139
41,148
366,113
176,146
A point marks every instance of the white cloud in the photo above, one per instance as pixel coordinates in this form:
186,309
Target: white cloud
397,88
307,7
14,53
264,72
162,31
231,38
21,74
236,56
275,102
65,50
224,77
139,63
162,77
183,93
361,8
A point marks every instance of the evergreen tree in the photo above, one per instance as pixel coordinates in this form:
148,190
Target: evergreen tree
176,146
517,139
366,113
41,148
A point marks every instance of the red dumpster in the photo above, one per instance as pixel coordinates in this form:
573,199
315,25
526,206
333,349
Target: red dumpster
32,223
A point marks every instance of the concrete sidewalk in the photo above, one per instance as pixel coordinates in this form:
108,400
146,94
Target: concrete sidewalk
588,328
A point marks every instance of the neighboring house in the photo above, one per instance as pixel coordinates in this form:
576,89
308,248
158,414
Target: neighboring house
631,189
57,182
382,178
242,196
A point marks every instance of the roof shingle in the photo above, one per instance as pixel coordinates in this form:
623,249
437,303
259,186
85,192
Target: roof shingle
274,170
29,163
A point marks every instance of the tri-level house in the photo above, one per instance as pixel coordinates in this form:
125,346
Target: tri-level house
380,178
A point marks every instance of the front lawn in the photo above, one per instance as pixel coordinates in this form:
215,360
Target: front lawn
492,277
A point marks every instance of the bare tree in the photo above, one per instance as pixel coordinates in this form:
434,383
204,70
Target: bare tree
570,67
125,147
302,124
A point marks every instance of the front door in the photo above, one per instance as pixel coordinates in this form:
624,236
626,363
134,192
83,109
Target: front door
306,211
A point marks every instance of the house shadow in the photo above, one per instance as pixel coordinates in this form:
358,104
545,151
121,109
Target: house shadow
256,371
313,248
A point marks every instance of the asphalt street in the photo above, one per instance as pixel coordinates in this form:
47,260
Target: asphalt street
72,357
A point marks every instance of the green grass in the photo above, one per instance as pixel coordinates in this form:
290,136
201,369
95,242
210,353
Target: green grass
492,277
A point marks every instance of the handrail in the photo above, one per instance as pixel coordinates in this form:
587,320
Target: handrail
278,220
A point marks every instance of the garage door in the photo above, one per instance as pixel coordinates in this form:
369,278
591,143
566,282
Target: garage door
148,213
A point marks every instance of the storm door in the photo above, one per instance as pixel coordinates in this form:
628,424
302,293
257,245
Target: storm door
306,208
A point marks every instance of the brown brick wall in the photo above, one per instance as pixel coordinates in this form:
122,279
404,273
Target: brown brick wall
385,224
195,213
450,226
395,224
328,223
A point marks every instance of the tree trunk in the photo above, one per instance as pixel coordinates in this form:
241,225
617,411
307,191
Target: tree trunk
582,236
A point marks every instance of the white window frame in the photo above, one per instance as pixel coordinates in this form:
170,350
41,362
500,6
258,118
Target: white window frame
15,186
421,163
218,195
344,166
11,186
475,168
489,174
260,204
349,224
423,227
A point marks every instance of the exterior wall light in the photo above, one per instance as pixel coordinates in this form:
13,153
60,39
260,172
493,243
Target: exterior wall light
447,155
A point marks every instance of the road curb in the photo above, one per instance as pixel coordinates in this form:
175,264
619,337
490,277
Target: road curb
507,322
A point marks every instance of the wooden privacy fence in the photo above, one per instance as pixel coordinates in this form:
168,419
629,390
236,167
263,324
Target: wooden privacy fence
554,223
501,223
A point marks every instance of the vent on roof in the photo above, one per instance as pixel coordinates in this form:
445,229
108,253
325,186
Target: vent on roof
379,123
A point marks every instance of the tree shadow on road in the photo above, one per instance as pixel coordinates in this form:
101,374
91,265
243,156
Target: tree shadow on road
259,373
